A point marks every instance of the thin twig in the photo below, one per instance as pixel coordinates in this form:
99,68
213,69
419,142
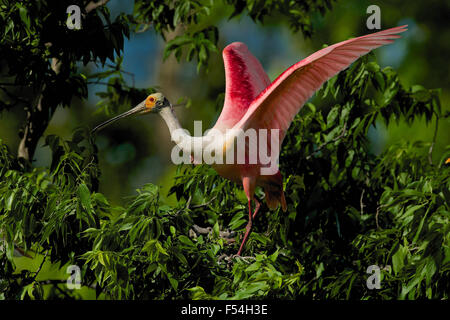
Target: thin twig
361,203
11,84
377,213
204,204
131,74
227,235
376,217
245,258
40,267
343,132
94,5
229,258
145,27
108,84
201,230
430,151
56,284
13,96
62,291
188,202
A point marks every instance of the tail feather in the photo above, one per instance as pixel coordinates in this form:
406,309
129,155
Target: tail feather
283,202
273,188
275,199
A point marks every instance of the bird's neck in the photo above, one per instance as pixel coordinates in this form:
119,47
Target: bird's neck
177,134
194,148
171,120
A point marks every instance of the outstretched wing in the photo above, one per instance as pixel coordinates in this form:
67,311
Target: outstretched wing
277,105
245,79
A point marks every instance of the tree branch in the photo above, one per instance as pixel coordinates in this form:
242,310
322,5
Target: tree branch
94,5
204,204
361,203
430,151
40,266
377,213
13,96
323,145
40,114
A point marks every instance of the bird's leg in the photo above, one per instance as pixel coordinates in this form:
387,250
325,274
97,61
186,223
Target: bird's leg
248,228
258,204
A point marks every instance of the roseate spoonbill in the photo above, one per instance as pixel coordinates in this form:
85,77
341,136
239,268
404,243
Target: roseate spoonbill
253,102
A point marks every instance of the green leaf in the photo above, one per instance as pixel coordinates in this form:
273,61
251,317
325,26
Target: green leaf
85,197
10,201
24,16
398,259
185,240
173,283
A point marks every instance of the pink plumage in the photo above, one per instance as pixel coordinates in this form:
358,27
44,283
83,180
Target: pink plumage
255,109
276,106
245,79
252,102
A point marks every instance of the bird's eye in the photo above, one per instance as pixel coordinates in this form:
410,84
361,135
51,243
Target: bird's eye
150,102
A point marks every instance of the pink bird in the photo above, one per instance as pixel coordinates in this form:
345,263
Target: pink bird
252,102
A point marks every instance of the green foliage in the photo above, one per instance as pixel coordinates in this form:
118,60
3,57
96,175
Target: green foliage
33,32
348,208
298,13
200,44
199,37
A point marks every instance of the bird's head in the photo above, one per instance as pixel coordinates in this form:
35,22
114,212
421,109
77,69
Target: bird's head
153,103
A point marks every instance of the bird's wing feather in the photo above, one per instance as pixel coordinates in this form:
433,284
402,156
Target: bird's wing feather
277,105
245,79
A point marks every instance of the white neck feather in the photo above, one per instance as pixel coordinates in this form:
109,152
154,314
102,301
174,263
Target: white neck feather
179,135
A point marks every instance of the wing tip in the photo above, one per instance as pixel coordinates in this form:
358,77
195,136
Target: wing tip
395,30
234,46
402,28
